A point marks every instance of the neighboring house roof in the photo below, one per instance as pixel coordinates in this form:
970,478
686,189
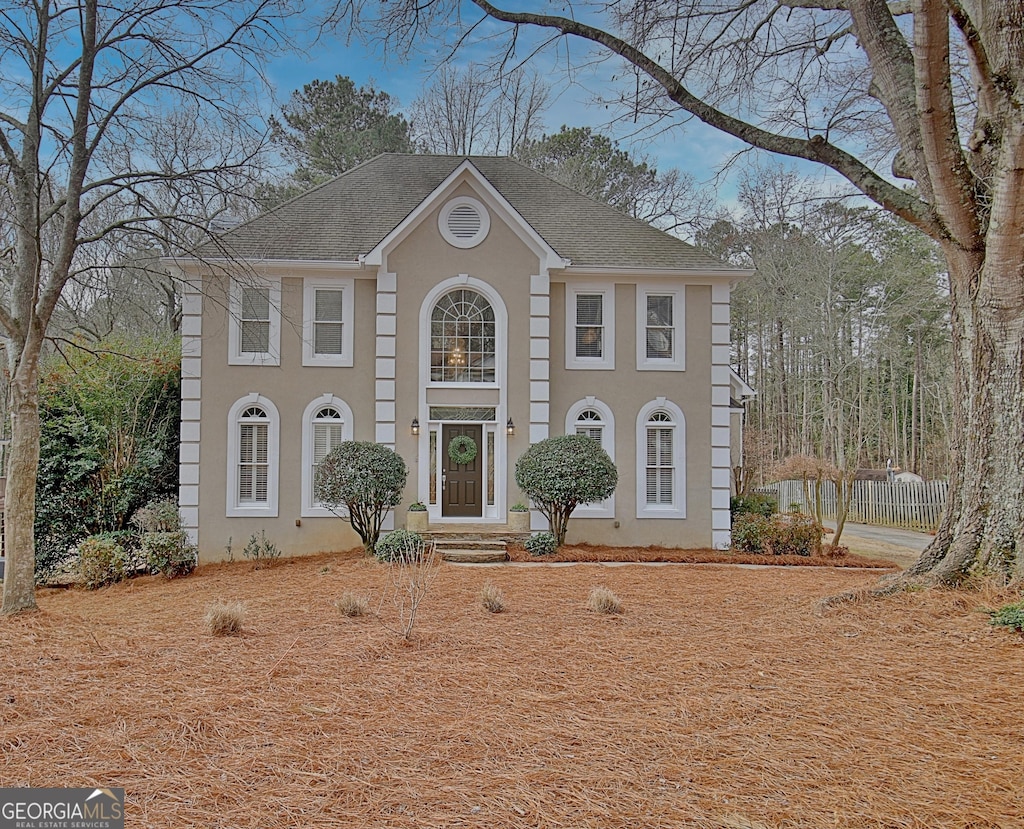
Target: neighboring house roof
348,216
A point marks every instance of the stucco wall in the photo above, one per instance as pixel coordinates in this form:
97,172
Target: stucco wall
504,261
625,390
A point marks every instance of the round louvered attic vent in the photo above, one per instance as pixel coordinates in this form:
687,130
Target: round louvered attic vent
464,222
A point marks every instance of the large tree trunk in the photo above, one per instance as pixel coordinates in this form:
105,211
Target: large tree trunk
983,527
20,496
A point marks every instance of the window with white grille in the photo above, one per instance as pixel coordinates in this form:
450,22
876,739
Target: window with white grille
661,460
593,418
327,321
659,327
464,222
252,457
590,326
255,322
326,424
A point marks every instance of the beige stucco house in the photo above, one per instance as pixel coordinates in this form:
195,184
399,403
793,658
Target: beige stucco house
418,298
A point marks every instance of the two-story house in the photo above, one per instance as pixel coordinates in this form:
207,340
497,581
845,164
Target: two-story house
418,298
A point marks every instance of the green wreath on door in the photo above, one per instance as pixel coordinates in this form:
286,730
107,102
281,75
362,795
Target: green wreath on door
462,449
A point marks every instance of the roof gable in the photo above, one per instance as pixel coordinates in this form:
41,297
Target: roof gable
467,172
354,216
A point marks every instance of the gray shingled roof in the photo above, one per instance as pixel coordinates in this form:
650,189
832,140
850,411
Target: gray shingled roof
348,216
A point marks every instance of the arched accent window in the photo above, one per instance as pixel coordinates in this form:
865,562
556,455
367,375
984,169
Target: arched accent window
253,430
462,338
593,418
661,461
326,423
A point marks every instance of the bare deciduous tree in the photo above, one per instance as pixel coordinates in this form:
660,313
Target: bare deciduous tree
473,111
83,84
926,91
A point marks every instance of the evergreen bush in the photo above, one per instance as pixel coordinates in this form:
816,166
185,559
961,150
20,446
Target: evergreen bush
361,483
560,473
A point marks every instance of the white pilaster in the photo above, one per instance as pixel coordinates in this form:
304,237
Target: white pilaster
540,350
721,473
387,326
191,408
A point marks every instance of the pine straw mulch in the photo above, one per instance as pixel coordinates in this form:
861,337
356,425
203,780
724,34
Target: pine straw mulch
594,553
719,698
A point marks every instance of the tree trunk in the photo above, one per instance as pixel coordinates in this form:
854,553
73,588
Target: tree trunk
20,496
983,527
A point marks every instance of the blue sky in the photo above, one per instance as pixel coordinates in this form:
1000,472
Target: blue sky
691,147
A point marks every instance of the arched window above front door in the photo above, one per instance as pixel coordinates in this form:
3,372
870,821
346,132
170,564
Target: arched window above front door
462,338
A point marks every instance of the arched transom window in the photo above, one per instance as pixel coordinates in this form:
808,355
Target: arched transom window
462,333
590,423
253,456
660,459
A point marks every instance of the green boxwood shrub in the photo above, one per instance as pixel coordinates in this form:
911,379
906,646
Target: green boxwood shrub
361,482
541,544
560,473
399,544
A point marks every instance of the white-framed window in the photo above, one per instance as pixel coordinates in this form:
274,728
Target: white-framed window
253,448
660,313
590,326
254,330
327,322
326,423
464,222
593,418
463,338
661,460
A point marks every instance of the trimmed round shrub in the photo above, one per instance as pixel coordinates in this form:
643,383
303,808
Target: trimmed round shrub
399,544
361,482
560,473
541,544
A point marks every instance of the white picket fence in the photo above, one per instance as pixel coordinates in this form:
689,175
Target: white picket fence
910,506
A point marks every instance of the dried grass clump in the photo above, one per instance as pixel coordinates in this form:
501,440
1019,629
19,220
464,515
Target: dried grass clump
603,600
352,605
225,618
492,599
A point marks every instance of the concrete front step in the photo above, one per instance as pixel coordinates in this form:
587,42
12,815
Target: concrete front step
443,543
473,556
470,550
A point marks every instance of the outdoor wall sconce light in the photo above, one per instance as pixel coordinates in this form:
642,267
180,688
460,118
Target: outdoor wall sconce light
415,425
510,427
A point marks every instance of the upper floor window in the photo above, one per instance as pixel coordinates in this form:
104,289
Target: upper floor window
327,322
326,424
252,457
590,326
661,461
462,338
254,332
659,329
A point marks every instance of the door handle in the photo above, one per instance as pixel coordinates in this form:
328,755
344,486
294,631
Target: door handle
444,481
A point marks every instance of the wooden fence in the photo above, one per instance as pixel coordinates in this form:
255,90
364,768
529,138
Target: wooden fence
910,506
